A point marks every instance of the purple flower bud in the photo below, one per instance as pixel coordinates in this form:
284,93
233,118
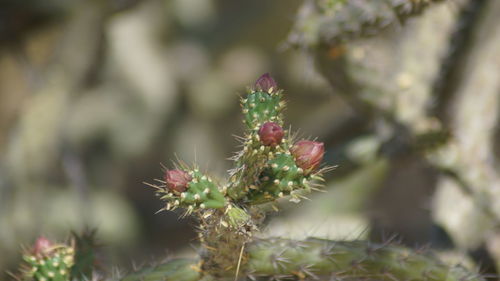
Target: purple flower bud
308,154
177,180
266,83
42,246
271,134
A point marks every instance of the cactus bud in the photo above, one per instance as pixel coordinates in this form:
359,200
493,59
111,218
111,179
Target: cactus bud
42,246
271,134
266,83
177,180
308,154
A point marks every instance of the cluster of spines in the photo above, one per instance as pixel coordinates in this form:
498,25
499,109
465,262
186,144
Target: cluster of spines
53,263
194,191
263,104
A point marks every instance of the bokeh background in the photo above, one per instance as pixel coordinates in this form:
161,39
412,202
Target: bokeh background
95,95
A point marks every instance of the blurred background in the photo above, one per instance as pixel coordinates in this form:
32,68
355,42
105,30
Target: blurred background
96,95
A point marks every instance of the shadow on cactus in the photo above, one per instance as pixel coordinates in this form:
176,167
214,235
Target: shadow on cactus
271,164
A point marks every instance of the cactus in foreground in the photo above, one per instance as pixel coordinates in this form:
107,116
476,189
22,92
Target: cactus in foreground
48,261
271,165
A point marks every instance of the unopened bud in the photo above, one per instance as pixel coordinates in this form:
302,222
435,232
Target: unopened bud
177,180
271,134
308,154
266,83
42,246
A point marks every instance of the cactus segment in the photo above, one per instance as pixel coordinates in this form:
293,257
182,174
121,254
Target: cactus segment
265,169
347,260
223,233
201,193
319,259
174,270
280,178
53,265
250,162
259,107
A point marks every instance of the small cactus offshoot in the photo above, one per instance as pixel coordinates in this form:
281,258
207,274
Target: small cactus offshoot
190,189
48,261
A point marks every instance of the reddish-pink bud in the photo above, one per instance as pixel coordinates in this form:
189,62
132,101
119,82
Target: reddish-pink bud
271,134
177,180
266,83
42,246
308,154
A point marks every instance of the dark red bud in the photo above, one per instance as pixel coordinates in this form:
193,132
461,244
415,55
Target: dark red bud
266,83
177,180
308,154
271,134
42,246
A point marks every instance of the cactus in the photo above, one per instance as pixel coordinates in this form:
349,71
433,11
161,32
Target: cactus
48,261
271,165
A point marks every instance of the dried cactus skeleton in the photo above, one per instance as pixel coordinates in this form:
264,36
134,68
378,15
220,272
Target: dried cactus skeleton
271,165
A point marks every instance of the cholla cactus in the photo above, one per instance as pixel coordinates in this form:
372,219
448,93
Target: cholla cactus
271,165
268,167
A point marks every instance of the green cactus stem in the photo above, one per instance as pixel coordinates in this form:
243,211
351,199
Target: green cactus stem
258,108
347,260
173,270
318,259
280,178
201,192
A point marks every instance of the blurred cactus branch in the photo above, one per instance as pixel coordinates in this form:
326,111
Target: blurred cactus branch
352,63
317,259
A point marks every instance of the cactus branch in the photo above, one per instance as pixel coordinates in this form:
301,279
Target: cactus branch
318,259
